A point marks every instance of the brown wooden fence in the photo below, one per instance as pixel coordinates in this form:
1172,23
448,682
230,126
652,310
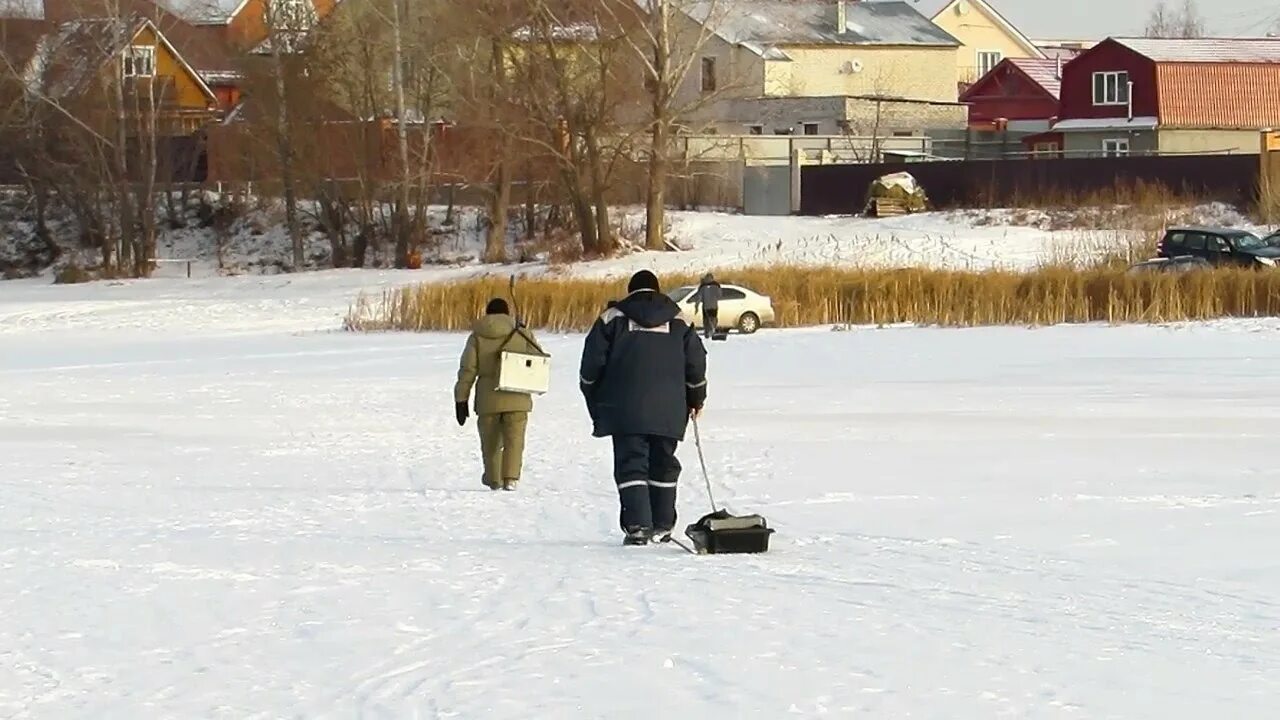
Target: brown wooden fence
842,189
369,152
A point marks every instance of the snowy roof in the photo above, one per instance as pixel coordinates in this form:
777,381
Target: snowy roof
204,47
22,9
1206,50
209,12
1140,122
206,12
574,32
67,60
760,24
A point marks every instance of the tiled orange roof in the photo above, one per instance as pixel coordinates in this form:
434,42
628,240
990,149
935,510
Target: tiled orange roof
1218,94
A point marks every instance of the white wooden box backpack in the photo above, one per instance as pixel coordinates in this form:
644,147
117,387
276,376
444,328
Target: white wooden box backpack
528,373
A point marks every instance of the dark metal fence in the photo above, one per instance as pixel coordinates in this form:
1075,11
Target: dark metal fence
842,189
181,159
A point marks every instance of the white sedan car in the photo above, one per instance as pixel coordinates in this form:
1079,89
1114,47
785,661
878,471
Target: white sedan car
740,308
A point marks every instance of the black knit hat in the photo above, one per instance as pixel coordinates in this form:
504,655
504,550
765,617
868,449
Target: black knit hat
497,306
643,280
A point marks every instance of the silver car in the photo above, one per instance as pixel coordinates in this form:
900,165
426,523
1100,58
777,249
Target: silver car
740,308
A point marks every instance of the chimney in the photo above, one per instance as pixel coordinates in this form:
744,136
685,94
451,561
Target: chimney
842,17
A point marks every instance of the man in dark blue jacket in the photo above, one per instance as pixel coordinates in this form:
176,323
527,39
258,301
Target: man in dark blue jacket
708,299
644,373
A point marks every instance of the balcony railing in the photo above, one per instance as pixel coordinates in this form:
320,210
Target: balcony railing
156,91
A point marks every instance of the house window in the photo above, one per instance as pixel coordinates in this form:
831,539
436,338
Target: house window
1117,147
140,61
755,129
708,74
1041,149
809,128
1111,88
988,59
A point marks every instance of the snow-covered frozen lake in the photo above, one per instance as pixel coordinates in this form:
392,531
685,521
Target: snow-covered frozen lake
213,506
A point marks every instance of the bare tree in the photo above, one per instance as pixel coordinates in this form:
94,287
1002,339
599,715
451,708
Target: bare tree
668,38
350,51
287,25
571,68
484,89
93,107
1183,22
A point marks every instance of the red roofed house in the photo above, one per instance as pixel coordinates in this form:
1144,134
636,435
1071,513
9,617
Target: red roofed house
1146,95
1019,94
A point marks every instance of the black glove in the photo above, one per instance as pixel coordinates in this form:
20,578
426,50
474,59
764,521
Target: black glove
463,413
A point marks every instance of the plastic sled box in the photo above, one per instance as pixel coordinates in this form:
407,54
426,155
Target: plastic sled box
723,533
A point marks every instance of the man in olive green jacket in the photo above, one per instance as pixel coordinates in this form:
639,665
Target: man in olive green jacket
501,416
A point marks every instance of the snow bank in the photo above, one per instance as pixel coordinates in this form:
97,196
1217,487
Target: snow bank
256,243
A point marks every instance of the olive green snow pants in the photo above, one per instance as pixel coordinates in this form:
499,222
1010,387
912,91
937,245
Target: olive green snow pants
502,445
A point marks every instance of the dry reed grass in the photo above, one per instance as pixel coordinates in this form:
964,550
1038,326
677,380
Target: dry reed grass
807,296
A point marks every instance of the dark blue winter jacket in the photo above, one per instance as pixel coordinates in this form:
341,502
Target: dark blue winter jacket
708,295
643,369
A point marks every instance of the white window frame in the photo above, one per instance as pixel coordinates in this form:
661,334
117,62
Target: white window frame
1120,88
804,128
978,55
134,55
1115,147
1044,147
755,129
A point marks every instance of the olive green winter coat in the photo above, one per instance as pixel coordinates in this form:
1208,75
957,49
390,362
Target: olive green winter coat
490,336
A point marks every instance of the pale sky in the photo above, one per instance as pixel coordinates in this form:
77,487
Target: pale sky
1096,19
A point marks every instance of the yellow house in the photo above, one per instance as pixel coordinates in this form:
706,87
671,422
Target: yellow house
817,68
78,64
564,50
986,38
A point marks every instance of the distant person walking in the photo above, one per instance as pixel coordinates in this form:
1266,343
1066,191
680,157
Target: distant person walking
708,297
500,416
643,374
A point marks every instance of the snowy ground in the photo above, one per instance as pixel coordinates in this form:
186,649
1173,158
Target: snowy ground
214,506
970,240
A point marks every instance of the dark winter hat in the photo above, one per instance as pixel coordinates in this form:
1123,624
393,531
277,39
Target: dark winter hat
643,280
497,306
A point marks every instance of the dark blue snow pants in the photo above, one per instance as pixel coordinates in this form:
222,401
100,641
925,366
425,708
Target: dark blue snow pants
646,470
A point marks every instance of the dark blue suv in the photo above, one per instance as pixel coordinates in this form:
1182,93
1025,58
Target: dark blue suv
1220,246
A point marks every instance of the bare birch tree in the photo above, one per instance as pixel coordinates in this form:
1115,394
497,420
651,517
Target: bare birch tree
668,38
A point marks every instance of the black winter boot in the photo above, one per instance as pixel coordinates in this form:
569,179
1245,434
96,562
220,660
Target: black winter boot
637,536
